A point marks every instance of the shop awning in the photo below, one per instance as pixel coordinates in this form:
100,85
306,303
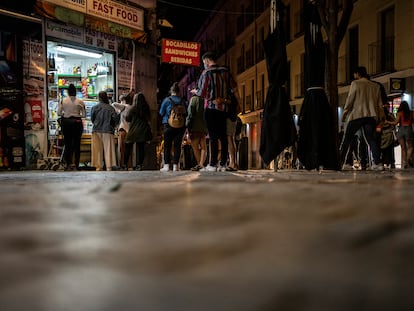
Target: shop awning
108,17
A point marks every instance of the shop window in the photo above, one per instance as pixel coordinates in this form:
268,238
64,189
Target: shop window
90,71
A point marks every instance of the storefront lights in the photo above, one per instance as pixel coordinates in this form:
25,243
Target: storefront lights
65,49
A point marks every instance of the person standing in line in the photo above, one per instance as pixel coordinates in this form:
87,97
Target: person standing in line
197,130
123,127
215,86
139,117
104,119
363,109
172,135
405,135
72,110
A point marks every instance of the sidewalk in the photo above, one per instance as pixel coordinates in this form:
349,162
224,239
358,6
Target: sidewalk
249,240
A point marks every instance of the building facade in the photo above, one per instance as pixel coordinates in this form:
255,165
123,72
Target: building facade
380,36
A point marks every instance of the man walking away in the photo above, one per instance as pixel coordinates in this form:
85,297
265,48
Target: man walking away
363,109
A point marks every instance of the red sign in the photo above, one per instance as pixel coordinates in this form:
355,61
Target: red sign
180,52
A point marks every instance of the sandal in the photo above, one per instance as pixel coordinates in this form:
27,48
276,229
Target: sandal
231,169
196,168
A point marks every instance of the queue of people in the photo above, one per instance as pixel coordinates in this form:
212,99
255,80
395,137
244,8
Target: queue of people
369,136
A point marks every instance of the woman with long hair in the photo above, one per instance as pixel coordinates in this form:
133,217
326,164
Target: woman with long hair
405,134
139,133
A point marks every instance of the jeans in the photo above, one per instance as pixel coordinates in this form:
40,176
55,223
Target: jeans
172,136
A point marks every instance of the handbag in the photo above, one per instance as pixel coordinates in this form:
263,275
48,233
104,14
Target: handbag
396,142
388,137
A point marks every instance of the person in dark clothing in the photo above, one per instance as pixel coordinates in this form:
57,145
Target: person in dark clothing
139,132
216,86
363,109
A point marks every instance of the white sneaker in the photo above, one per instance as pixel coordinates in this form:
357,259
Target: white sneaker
221,169
208,168
175,168
165,168
377,167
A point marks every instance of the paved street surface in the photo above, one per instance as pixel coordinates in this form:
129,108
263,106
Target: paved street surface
190,241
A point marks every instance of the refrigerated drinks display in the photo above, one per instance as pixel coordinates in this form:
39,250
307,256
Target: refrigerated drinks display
90,72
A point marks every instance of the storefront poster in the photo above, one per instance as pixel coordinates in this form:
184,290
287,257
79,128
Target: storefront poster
33,113
35,143
34,84
34,72
126,79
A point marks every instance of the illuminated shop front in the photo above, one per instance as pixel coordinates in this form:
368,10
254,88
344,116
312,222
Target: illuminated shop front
88,43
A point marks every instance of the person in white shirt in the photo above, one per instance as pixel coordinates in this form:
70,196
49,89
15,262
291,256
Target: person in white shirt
123,127
72,110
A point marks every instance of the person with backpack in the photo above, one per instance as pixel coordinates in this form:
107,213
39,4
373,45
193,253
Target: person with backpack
173,113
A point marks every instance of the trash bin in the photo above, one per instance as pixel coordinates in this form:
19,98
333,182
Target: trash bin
243,154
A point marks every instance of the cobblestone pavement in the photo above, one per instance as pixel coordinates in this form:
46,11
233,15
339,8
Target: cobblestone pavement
248,240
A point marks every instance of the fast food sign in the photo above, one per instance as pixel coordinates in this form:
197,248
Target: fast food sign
180,52
106,9
117,13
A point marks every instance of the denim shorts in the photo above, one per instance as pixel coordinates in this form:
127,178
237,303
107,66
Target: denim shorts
405,132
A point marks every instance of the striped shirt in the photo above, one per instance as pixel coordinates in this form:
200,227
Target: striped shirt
215,82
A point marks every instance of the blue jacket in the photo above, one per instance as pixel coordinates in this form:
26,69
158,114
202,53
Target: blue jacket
166,107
